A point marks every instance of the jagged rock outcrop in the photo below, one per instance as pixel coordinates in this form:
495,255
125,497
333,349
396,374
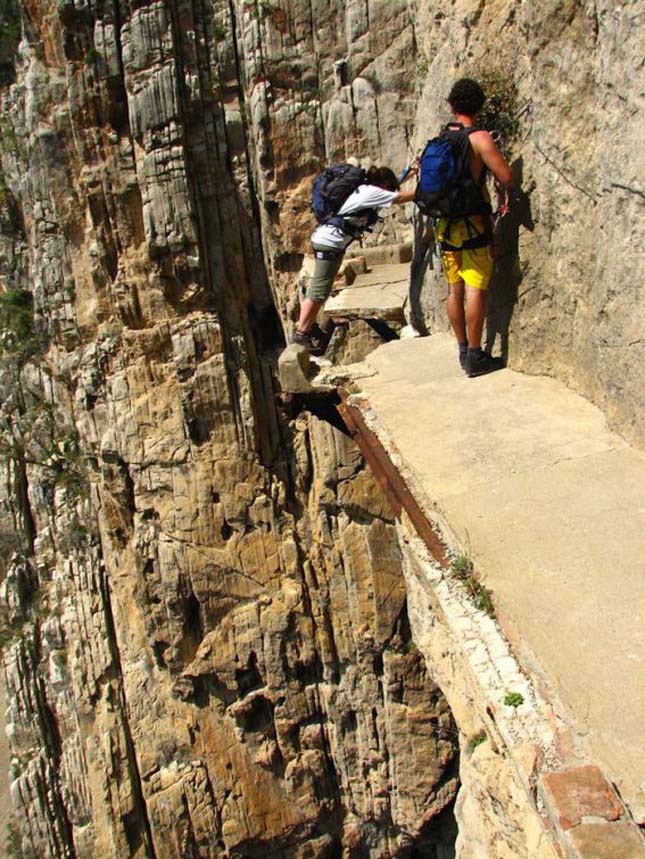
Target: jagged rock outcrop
208,650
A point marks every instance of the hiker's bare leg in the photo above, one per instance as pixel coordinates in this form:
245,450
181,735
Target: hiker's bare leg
455,309
475,315
309,310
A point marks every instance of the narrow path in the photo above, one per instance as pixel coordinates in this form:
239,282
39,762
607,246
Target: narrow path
528,482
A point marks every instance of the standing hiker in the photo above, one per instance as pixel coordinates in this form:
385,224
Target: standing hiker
465,224
367,192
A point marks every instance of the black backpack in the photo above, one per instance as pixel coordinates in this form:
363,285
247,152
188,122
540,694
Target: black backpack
446,187
331,189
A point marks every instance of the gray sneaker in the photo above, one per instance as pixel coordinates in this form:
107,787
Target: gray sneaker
315,340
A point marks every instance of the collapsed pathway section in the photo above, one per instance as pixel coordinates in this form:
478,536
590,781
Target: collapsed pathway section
519,480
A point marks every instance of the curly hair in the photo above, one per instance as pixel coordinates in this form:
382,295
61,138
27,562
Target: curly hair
383,177
466,96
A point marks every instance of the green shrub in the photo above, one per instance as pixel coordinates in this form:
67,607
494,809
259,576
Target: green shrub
500,112
462,567
513,699
476,740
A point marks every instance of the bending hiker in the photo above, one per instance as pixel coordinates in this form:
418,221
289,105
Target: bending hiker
465,224
366,194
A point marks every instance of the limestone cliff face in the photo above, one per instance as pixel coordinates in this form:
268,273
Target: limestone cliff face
208,651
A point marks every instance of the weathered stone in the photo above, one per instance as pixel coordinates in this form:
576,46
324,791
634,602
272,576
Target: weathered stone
217,660
579,792
606,841
296,370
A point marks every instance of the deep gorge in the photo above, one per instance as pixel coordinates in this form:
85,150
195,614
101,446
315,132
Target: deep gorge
207,648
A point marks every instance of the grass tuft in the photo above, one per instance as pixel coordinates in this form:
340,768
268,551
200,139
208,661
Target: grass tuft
513,699
462,568
477,739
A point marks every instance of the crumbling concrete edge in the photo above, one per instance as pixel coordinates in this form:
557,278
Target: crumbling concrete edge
576,804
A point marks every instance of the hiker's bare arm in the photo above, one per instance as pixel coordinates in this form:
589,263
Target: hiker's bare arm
404,197
485,147
412,172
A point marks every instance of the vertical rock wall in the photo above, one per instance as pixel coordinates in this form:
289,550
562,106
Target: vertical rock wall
206,646
567,298
207,650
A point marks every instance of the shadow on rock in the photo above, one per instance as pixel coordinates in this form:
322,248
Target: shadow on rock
509,269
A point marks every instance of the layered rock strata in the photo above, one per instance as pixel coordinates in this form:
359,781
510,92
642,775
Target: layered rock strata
207,649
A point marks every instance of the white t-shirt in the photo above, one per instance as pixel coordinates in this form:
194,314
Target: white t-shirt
364,197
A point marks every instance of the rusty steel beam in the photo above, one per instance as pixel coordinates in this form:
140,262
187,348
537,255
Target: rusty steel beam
371,457
394,486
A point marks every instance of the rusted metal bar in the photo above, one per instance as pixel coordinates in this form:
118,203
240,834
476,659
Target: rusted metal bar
389,478
371,458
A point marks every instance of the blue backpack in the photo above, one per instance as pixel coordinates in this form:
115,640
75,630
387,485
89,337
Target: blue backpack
446,187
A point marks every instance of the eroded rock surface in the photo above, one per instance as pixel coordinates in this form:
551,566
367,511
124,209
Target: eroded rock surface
207,651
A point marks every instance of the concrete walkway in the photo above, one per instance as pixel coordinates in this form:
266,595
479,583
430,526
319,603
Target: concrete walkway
550,507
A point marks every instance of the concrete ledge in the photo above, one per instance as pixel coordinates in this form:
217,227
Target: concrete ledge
523,477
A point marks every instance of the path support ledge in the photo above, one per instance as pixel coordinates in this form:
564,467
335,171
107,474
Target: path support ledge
579,809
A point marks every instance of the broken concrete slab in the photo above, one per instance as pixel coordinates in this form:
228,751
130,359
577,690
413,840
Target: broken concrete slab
379,294
576,793
605,841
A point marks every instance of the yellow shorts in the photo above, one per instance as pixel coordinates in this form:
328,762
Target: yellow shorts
472,265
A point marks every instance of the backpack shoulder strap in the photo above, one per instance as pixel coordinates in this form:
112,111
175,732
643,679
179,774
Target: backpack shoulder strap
459,126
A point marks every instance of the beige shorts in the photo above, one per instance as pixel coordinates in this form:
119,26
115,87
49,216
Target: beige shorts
325,270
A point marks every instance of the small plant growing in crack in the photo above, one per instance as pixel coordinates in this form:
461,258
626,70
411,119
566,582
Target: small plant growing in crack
477,739
462,568
513,699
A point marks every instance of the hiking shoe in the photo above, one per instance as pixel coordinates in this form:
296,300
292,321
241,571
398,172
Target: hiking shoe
463,356
320,337
302,339
314,344
315,340
480,363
